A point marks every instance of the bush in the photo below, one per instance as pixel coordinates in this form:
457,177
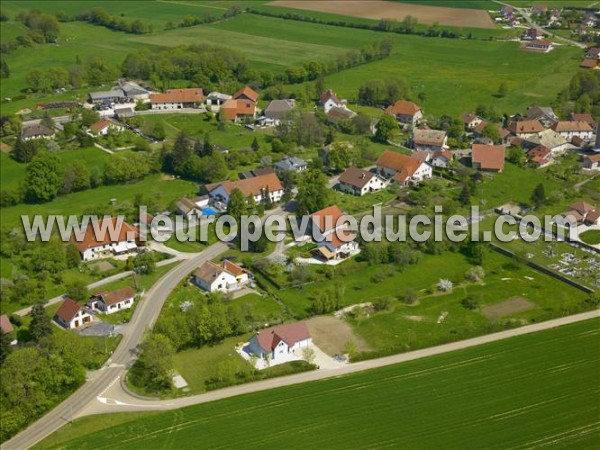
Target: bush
470,302
383,304
475,274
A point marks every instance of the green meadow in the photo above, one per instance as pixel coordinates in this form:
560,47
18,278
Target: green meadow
533,390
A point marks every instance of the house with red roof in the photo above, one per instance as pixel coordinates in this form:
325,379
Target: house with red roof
104,126
329,100
540,156
592,161
71,315
358,181
329,231
106,237
569,129
402,169
113,301
406,112
6,327
260,187
276,343
488,157
223,277
175,99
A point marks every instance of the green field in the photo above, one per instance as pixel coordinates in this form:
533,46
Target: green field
471,4
591,237
533,390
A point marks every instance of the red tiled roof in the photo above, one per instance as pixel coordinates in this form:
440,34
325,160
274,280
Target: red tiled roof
232,268
489,157
100,125
289,333
403,107
447,154
480,126
582,207
328,216
589,63
568,126
191,95
526,126
593,158
68,309
5,325
233,108
467,118
404,165
247,92
90,240
254,185
329,94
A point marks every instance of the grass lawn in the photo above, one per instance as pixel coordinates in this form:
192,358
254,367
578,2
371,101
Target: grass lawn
164,190
416,326
539,386
353,204
591,237
471,4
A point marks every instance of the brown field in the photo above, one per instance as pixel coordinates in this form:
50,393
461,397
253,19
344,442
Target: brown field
330,334
511,306
379,9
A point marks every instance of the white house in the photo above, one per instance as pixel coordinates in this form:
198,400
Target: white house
569,129
429,140
175,99
442,158
551,139
216,98
113,301
406,112
277,111
403,169
72,315
470,120
592,162
360,182
104,126
259,187
329,231
328,100
106,238
224,277
38,131
277,342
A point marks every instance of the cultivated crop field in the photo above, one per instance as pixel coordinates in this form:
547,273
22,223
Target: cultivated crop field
544,384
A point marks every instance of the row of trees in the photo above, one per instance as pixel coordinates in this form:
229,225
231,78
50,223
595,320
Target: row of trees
42,28
98,16
192,21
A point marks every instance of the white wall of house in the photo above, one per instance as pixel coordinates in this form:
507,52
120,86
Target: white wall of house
330,103
440,161
80,319
375,184
172,106
423,172
224,282
585,135
115,307
587,164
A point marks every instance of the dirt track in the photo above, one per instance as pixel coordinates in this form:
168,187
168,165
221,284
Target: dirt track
379,9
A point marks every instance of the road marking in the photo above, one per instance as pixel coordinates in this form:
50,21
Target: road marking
112,401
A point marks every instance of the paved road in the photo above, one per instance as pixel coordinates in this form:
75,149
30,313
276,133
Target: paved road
143,318
116,400
527,16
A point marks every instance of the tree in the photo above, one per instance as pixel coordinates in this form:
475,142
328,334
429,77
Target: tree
78,291
181,153
313,191
157,361
410,296
43,178
4,70
24,151
308,354
145,263
502,89
465,195
538,196
40,325
255,145
491,131
516,155
89,117
387,127
236,206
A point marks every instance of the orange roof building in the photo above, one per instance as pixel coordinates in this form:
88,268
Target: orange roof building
488,157
177,99
256,186
246,93
405,112
105,238
235,109
402,169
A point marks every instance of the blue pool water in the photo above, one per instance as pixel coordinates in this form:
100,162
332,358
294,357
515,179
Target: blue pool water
208,211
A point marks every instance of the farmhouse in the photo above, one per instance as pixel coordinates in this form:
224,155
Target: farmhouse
234,110
188,208
442,158
290,163
246,93
530,34
37,131
277,342
105,238
113,301
224,277
525,128
429,140
402,169
360,182
488,157
540,156
259,187
175,99
216,98
584,212
104,126
134,91
592,162
337,113
277,111
71,314
541,45
589,64
548,138
124,112
583,117
570,129
544,114
470,120
406,112
107,97
328,100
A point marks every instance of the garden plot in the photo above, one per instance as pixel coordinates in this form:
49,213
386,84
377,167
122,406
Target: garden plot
506,308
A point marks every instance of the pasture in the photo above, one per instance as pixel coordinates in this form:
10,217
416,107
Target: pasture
517,393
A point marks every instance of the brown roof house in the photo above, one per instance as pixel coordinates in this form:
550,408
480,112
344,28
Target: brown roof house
592,162
38,131
540,156
277,343
429,140
406,112
583,117
246,93
403,169
235,110
72,315
260,187
177,99
329,229
525,128
488,157
104,126
6,327
328,100
224,277
105,238
470,120
360,182
441,158
277,111
584,212
569,129
113,301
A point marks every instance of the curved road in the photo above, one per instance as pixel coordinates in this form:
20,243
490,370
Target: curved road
124,355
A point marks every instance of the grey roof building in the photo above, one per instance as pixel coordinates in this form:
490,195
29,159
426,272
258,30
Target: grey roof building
278,109
291,163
